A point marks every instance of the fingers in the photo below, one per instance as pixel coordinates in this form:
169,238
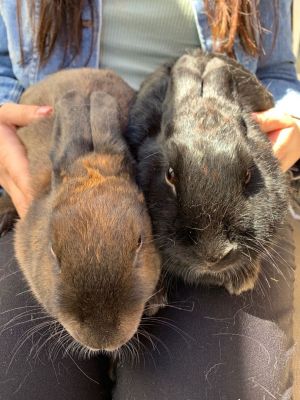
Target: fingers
21,115
21,201
14,169
286,146
273,136
284,132
272,120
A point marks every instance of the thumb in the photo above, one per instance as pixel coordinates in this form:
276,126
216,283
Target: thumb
21,114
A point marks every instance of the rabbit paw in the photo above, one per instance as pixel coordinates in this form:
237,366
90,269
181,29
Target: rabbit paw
248,283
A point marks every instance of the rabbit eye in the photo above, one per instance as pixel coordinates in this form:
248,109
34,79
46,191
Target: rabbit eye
55,259
52,253
140,242
136,260
170,176
248,177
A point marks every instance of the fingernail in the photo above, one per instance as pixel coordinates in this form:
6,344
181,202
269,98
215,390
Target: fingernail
254,116
44,111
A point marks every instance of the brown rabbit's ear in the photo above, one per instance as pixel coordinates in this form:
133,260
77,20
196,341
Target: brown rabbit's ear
72,136
105,122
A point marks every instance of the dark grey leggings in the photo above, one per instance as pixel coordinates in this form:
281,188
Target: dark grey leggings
206,345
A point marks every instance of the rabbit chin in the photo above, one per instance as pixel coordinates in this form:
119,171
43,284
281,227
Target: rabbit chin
237,277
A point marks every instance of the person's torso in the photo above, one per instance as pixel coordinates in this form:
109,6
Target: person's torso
165,30
171,34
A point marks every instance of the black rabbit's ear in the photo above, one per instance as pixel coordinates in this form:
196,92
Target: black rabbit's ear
105,122
146,113
71,132
225,77
217,80
187,77
251,93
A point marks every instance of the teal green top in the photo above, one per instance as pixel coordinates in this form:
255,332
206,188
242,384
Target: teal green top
166,28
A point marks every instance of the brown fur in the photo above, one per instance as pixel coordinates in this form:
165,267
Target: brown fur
79,244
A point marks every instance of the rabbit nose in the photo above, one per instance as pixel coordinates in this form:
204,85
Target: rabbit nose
226,253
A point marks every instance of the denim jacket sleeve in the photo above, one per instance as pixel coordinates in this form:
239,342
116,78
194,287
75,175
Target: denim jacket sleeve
276,67
11,89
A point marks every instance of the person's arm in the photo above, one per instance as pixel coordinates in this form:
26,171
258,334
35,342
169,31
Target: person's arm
14,170
10,88
276,69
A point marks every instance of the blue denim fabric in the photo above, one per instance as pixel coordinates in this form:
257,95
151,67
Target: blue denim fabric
276,68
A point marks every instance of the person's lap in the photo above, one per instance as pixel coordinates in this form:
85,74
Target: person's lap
210,345
206,344
33,366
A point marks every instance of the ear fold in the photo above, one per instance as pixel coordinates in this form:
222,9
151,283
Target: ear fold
105,122
226,76
252,94
218,80
71,132
146,113
187,76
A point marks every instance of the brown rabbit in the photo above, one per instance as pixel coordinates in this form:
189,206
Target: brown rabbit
85,244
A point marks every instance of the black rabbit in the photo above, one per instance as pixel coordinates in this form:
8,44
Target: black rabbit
213,187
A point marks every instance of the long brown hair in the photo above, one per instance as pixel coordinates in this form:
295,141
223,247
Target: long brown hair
62,20
231,18
59,20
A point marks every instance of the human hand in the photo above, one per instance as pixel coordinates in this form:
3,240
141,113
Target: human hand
284,132
14,168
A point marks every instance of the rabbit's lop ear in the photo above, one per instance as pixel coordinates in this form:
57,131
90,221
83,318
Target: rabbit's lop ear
146,113
230,79
217,80
72,132
252,94
104,121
